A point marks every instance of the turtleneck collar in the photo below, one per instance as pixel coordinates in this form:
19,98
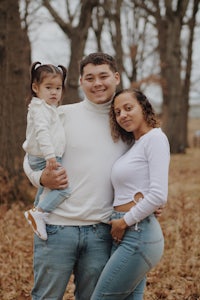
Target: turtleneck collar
100,108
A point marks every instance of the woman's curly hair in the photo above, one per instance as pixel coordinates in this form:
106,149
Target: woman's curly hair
149,116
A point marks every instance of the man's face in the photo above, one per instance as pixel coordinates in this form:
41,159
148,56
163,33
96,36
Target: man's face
99,83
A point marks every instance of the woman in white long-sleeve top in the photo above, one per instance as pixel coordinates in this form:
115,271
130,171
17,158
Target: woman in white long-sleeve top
140,181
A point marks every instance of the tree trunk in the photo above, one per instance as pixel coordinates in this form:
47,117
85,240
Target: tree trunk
169,23
117,37
175,106
187,80
14,65
72,87
170,57
78,36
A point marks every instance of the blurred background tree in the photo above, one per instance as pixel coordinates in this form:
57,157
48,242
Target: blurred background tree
152,41
14,65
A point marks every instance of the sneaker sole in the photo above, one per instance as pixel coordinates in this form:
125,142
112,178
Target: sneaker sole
31,221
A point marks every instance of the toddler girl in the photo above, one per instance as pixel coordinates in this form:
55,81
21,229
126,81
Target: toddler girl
45,137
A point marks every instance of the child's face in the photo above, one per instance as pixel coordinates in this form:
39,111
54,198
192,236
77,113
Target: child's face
50,90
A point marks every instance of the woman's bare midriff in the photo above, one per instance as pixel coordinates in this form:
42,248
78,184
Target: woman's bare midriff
126,207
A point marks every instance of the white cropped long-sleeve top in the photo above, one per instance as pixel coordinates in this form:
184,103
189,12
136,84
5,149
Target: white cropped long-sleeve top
144,168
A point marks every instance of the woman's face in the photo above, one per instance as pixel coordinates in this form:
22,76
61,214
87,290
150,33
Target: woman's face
129,114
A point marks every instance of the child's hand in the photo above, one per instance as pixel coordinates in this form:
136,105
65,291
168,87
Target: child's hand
51,163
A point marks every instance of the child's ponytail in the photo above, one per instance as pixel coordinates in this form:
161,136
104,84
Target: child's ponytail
64,71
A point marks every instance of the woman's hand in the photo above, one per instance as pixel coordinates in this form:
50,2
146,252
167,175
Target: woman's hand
118,229
54,179
158,212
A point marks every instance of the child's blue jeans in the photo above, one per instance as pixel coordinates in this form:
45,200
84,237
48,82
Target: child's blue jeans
54,197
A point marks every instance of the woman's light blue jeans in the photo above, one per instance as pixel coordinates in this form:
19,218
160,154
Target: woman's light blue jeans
54,197
124,274
81,250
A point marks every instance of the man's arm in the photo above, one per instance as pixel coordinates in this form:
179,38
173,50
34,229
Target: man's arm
52,179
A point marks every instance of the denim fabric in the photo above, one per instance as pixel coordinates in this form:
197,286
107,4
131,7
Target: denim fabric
83,250
140,250
54,197
36,163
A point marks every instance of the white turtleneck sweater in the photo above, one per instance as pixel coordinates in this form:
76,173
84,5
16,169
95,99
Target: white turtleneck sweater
89,156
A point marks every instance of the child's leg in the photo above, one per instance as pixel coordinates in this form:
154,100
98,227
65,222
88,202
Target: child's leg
37,197
53,199
36,217
36,163
37,220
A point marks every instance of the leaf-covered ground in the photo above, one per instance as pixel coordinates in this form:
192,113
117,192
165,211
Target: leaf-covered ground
176,277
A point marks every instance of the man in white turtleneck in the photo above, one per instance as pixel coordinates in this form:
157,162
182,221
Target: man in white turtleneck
79,239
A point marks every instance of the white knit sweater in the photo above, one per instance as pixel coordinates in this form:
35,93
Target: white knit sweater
45,136
89,156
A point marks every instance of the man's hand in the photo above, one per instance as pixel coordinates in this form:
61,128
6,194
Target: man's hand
54,179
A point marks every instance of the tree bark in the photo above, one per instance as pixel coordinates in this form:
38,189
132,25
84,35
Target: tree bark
170,60
175,90
14,65
78,36
187,80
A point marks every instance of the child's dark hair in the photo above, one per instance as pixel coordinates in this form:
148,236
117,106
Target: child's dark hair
38,72
149,116
98,58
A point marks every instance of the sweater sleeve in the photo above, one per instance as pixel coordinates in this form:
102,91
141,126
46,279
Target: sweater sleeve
41,116
33,176
158,156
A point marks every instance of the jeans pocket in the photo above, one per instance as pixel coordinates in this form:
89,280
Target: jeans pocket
51,229
102,231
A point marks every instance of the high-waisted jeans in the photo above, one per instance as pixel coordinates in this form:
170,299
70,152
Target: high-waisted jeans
139,251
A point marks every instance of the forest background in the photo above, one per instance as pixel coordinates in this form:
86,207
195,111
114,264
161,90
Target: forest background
156,45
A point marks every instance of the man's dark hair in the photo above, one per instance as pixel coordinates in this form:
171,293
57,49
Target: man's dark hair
98,58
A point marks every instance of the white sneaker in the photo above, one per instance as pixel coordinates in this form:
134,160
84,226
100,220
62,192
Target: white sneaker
37,221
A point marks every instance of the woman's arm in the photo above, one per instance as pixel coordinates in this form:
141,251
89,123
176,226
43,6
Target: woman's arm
158,157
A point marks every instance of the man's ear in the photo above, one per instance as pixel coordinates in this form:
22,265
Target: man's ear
117,77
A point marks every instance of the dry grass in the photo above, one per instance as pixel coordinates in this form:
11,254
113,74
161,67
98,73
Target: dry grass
177,277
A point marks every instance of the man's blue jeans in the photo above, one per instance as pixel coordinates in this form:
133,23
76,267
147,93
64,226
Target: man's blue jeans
81,250
124,274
